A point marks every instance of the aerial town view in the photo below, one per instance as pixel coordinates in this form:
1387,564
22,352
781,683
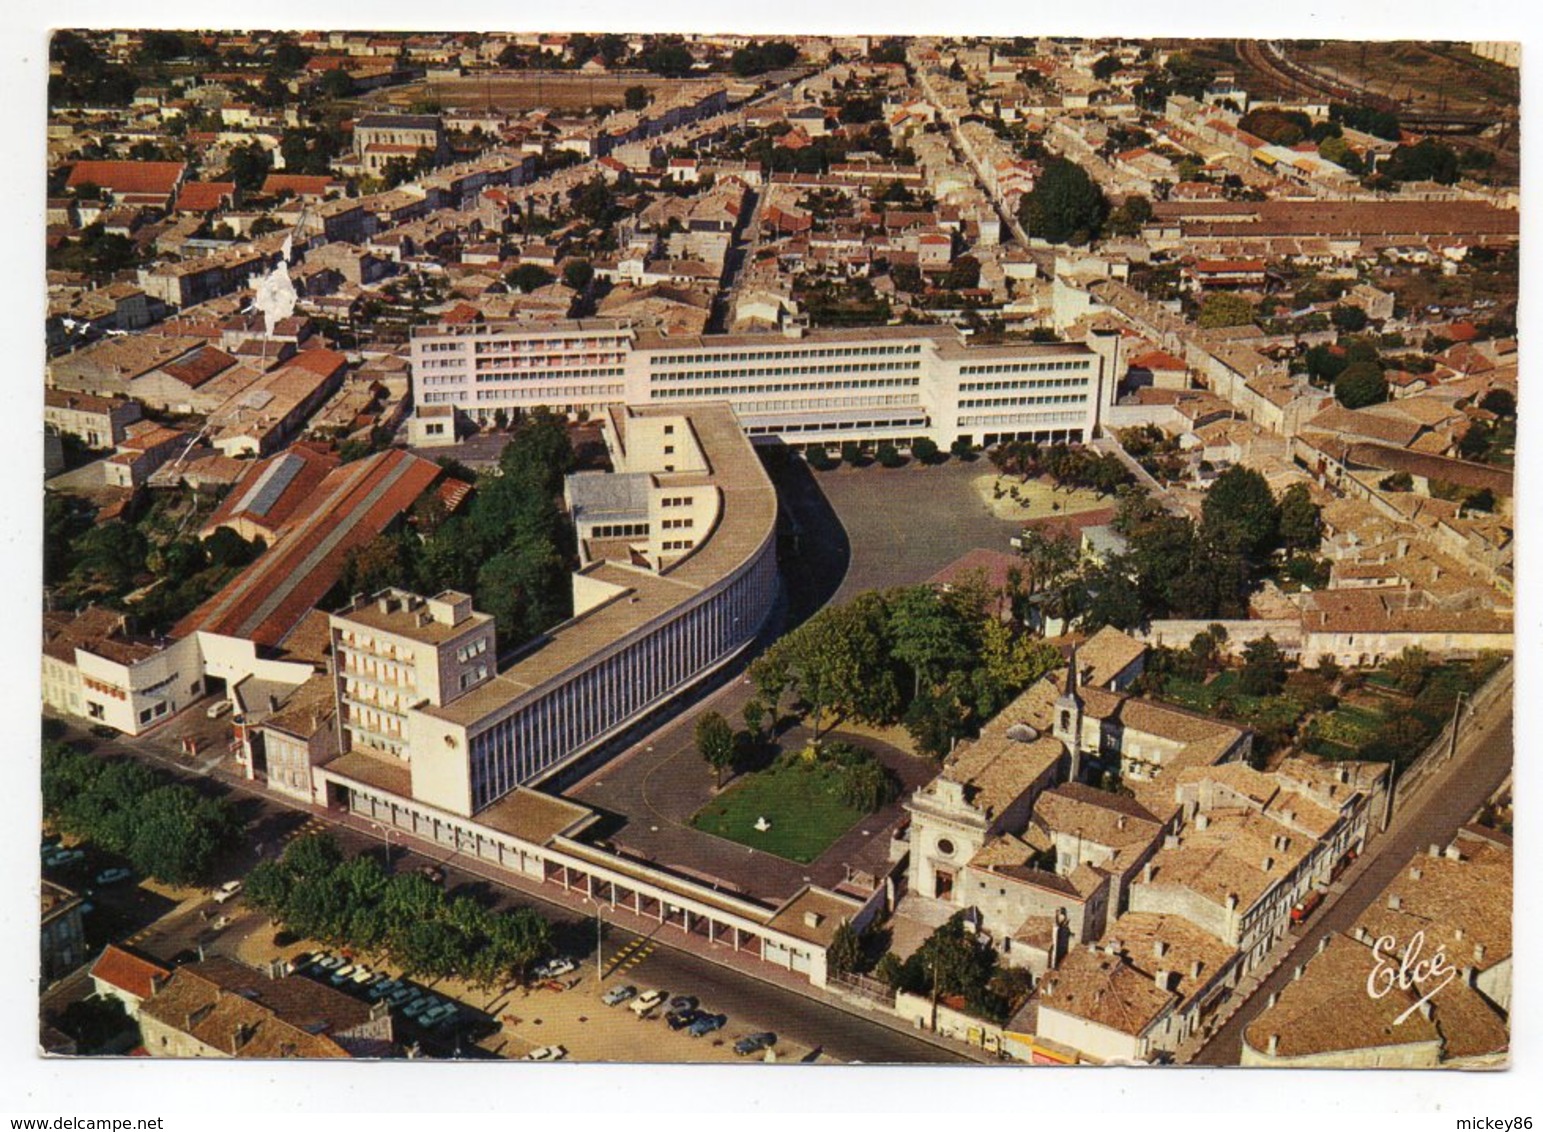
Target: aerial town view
778,549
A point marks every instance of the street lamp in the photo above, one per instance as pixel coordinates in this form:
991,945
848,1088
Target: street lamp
1457,709
385,836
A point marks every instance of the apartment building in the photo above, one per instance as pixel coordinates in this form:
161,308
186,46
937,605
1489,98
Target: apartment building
396,651
867,384
102,422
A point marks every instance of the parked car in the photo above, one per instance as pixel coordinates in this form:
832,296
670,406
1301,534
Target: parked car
436,1014
326,961
685,1002
553,968
433,873
113,876
754,1043
299,962
218,708
227,891
547,1053
401,996
645,1002
343,972
618,995
707,1024
383,988
102,731
680,1019
61,857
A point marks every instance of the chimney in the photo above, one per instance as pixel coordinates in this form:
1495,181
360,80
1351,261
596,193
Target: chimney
1274,998
1454,853
1457,933
1297,973
1159,948
1426,1009
1232,901
1146,873
1415,874
1478,953
1395,902
1435,850
1274,1046
1160,977
1323,942
1467,976
1268,864
273,702
1202,821
1119,822
1194,969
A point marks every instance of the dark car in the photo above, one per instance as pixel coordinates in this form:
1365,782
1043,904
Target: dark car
754,1043
707,1023
680,1019
433,873
684,1002
102,731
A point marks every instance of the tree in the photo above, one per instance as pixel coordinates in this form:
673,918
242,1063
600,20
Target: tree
577,273
1427,160
927,637
1501,402
1301,522
955,960
1361,384
337,83
248,166
635,97
529,277
715,743
924,449
1481,500
1264,668
1065,206
754,715
1105,66
1221,309
1240,498
1350,320
1128,219
845,951
889,456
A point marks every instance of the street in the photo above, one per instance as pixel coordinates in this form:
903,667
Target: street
1446,800
751,1002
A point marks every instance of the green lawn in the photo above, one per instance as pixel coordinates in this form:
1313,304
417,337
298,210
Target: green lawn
801,804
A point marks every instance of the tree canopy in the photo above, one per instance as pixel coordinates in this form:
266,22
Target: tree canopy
1065,206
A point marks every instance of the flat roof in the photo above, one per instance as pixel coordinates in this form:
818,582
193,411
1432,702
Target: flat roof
406,619
533,816
747,517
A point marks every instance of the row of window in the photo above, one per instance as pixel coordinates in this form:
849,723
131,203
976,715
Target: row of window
836,426
656,361
791,371
619,530
678,524
475,648
550,393
475,676
1024,383
1040,418
547,374
676,501
677,544
784,387
1046,399
1026,367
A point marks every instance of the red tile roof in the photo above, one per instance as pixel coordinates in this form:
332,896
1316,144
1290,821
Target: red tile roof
157,177
354,504
205,196
300,184
198,367
319,360
130,973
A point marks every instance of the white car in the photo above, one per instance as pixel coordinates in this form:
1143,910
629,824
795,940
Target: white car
554,968
646,1002
547,1053
227,891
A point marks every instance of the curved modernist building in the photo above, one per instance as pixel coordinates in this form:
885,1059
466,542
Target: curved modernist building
679,575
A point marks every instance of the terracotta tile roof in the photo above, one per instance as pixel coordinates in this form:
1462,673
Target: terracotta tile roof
297,183
199,366
350,507
1106,990
129,972
1106,654
242,1012
1105,819
205,196
157,178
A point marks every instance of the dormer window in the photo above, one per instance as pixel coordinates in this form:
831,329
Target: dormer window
1066,720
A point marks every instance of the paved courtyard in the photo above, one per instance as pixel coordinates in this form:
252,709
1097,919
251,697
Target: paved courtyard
855,529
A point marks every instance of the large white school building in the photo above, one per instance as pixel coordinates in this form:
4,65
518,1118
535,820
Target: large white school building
865,384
